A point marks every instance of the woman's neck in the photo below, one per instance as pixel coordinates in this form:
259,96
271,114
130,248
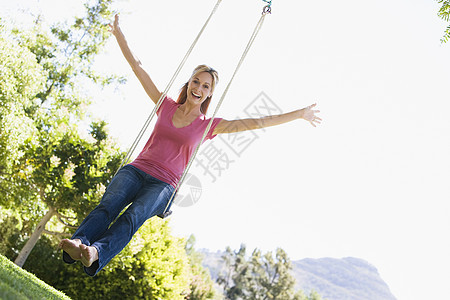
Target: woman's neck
189,109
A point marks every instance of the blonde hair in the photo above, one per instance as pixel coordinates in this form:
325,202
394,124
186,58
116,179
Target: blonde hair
215,79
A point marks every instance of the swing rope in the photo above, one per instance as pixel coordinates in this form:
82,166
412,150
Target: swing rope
127,157
266,10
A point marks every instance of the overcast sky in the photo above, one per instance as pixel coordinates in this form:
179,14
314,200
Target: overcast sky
371,182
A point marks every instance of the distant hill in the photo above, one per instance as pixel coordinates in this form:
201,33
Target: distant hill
334,279
341,279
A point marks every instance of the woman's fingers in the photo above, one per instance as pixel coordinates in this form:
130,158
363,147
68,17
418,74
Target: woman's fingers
115,24
116,20
313,118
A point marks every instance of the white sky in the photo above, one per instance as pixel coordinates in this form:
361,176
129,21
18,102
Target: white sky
371,182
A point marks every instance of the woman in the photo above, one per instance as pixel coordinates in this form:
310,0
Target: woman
149,181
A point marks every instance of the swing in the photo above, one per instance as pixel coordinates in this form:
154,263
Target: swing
266,10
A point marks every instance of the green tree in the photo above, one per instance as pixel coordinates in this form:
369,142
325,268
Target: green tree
68,176
49,166
22,78
444,13
271,276
261,276
235,280
201,286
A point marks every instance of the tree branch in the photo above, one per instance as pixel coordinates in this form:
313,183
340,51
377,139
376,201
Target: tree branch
58,234
64,220
66,224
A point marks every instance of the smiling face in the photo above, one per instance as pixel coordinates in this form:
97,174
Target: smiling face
199,87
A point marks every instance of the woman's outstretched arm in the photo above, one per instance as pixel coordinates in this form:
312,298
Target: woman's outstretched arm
307,113
149,87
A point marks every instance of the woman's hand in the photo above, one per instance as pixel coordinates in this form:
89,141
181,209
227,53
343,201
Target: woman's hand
114,28
309,114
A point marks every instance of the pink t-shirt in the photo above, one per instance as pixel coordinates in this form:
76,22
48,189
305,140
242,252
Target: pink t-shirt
168,150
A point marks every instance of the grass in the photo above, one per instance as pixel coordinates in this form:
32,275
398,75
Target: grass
16,283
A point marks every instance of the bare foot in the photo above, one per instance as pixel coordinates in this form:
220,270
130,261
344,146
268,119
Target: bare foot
89,254
72,247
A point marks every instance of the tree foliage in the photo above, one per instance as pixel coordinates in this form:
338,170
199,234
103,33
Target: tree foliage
444,13
50,165
41,72
22,78
201,286
261,276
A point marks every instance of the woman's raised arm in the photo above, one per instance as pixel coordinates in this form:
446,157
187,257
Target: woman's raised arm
307,113
149,87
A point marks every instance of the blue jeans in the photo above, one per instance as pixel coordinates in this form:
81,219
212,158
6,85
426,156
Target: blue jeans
148,197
